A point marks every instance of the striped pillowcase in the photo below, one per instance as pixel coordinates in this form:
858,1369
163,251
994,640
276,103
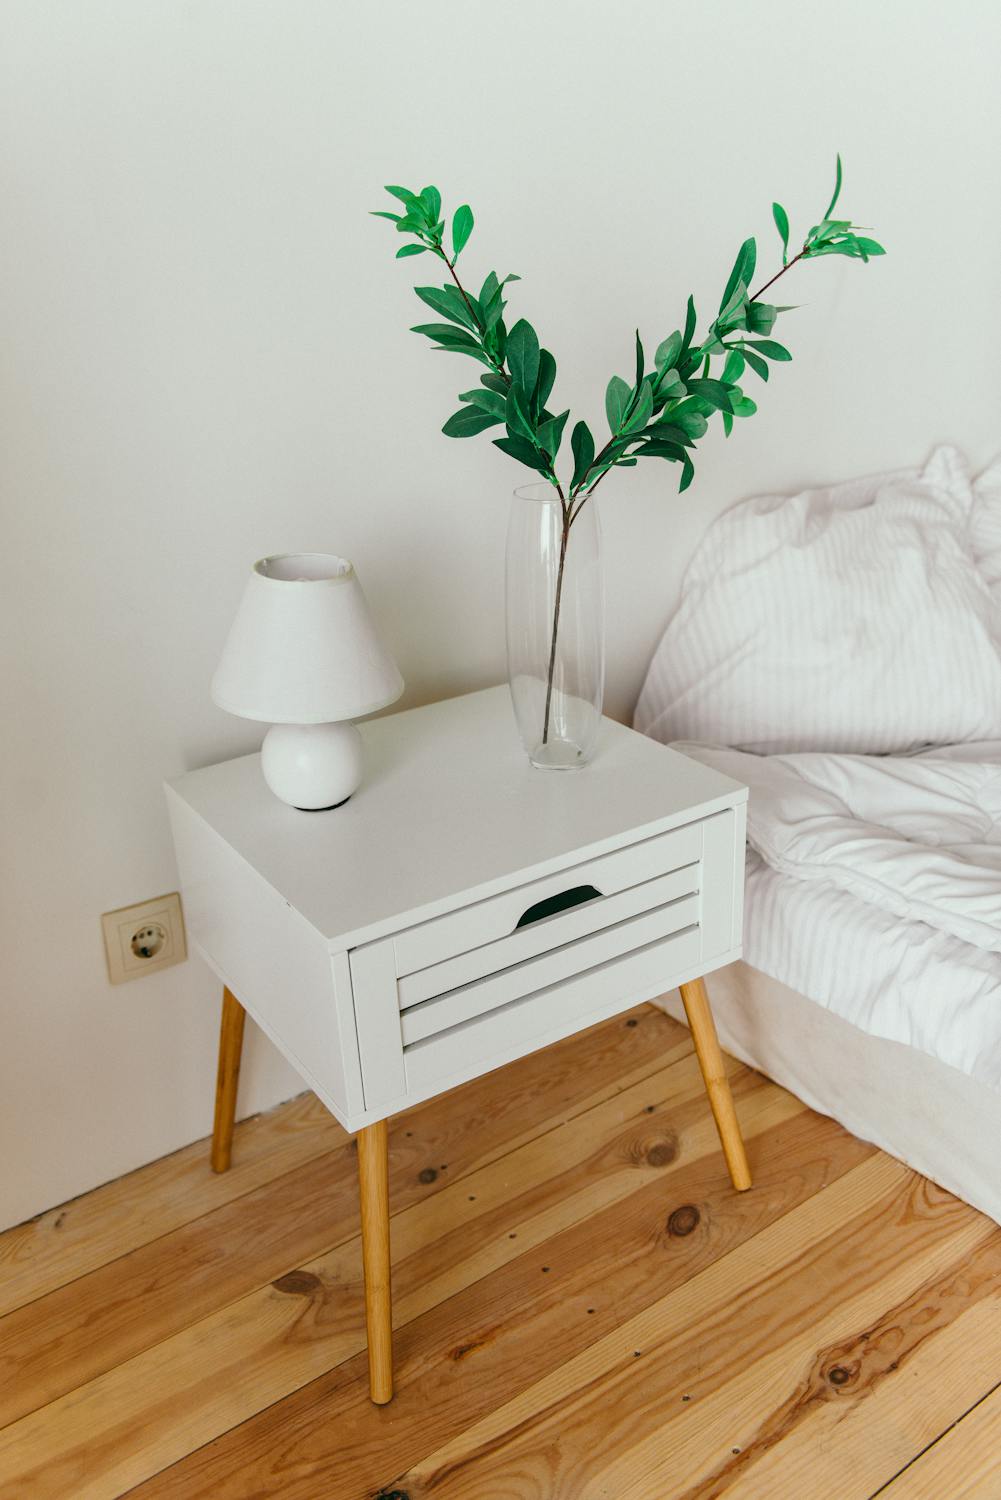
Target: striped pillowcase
864,617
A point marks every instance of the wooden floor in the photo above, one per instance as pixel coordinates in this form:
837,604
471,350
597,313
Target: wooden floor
584,1307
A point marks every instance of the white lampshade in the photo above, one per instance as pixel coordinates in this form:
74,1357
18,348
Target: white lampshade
303,648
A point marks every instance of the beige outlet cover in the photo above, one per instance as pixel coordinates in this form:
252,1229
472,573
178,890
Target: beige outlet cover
141,938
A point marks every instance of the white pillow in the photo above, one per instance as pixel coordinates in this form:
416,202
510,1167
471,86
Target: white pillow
858,618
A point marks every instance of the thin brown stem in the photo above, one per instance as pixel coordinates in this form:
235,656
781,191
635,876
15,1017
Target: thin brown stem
462,290
775,278
556,626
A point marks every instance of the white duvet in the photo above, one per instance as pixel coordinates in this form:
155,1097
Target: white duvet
874,888
919,836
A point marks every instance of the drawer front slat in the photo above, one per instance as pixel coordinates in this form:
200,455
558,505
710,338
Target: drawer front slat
551,968
548,1014
541,937
498,916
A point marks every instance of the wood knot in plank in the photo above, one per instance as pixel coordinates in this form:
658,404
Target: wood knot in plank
683,1220
427,1174
839,1375
661,1153
463,1351
298,1283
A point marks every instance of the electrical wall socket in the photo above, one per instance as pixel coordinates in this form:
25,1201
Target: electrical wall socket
139,939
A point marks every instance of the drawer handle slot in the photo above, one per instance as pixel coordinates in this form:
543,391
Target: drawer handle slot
554,904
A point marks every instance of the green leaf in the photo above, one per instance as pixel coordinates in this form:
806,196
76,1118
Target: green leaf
546,380
690,320
761,317
770,349
406,250
486,400
690,419
667,431
713,391
642,411
782,225
743,270
639,360
411,224
476,354
518,423
468,422
462,228
523,356
449,301
582,445
757,364
498,341
495,383
734,367
493,311
837,189
447,333
616,399
431,198
743,406
523,451
667,352
551,433
671,387
871,247
727,420
380,213
673,452
412,200
687,475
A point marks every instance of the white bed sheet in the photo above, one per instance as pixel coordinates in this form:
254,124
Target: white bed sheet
900,980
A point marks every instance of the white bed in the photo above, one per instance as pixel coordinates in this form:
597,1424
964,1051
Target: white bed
871,984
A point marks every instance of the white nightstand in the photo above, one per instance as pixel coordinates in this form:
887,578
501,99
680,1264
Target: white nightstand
460,911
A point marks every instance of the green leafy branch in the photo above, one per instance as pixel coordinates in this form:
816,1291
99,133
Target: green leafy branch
520,375
662,412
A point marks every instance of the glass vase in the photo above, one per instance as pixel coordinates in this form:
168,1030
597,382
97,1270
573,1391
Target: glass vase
555,627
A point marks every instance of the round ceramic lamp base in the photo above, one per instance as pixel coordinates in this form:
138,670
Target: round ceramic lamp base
312,766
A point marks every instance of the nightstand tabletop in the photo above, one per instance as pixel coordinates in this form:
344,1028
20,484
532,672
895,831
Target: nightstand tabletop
450,812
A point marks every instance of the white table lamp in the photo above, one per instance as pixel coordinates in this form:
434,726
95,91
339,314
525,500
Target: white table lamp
304,656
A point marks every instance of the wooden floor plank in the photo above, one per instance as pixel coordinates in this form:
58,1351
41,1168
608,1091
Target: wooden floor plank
153,1409
964,1463
681,1423
71,1335
469,1354
922,1363
79,1236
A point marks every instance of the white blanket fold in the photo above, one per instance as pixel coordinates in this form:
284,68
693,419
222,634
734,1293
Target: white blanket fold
919,835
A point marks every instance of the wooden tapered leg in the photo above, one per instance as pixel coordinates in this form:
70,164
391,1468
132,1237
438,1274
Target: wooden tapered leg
373,1183
703,1028
227,1080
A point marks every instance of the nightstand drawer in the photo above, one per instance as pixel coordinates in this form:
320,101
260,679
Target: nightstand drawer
511,972
548,1013
498,917
583,915
510,981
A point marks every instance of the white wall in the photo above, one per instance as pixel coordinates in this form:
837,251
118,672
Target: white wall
204,358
